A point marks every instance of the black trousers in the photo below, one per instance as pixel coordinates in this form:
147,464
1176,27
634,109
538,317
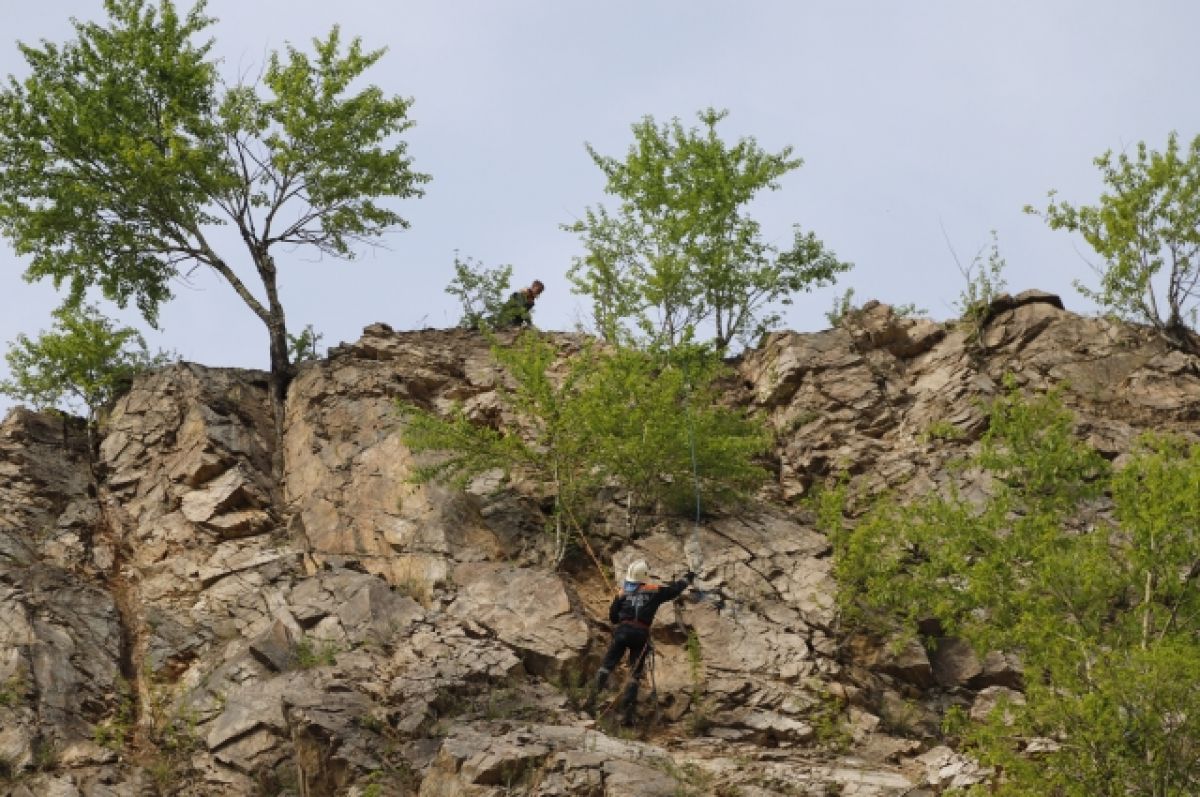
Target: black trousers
634,639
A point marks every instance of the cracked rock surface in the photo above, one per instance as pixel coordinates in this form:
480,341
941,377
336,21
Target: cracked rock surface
173,620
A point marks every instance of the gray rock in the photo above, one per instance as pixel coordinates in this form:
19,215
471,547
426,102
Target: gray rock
954,662
526,609
195,575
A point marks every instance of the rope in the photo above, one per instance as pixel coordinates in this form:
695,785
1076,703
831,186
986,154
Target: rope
697,561
656,715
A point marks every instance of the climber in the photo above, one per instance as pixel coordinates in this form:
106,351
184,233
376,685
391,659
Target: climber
632,612
518,310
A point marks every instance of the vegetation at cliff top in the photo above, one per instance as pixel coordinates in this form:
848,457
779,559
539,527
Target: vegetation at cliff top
123,150
680,254
1146,227
481,291
82,362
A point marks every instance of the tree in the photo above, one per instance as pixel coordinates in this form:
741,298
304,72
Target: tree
618,418
1104,612
305,346
481,291
83,362
1146,223
680,250
122,151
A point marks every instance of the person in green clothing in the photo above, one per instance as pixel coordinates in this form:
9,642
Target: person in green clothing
518,310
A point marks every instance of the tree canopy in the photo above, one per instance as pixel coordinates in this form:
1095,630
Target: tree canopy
82,362
602,417
481,291
680,250
1146,226
122,150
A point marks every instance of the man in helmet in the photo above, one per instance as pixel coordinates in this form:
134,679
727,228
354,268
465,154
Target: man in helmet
632,612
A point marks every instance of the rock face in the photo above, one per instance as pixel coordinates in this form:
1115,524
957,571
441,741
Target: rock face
173,620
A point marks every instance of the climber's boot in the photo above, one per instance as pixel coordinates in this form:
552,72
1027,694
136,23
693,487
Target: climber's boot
596,688
629,705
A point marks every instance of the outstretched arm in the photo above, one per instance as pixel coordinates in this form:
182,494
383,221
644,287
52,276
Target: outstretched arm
676,588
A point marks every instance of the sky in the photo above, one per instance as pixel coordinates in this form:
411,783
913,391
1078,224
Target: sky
923,126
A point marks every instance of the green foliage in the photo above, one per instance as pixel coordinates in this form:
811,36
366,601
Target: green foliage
646,415
1104,618
943,430
168,732
844,310
828,719
1157,506
695,659
575,684
985,281
169,724
397,777
305,346
680,251
699,718
690,779
481,291
909,310
1145,226
115,731
83,362
12,691
122,148
307,654
600,417
45,754
842,307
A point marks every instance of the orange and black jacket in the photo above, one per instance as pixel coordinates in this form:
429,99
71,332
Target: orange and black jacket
637,606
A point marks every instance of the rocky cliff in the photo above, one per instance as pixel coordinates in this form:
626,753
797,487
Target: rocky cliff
173,621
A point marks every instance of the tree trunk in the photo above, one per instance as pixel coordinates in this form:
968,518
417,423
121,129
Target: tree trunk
277,385
281,366
1180,336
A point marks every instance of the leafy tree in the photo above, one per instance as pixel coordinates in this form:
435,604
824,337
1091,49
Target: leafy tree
618,418
82,363
481,291
658,426
122,150
306,345
680,250
1105,617
1146,224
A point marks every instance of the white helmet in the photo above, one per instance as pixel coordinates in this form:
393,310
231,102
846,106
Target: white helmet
637,571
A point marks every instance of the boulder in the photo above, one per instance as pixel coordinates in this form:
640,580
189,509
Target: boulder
526,609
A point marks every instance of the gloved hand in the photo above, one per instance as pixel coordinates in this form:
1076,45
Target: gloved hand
690,576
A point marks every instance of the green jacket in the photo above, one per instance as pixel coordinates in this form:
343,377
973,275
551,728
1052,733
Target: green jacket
516,312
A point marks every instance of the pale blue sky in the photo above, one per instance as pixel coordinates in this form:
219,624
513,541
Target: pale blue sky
910,116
